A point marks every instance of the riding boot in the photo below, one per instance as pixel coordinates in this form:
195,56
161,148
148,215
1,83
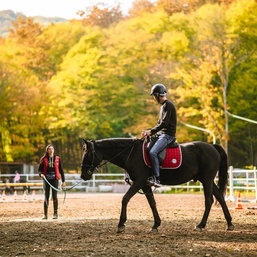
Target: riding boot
154,181
157,182
45,211
55,209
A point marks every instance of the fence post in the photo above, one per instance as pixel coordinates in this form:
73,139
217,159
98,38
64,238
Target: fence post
255,184
247,181
93,178
231,195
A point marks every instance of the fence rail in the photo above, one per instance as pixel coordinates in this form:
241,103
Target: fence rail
20,184
239,180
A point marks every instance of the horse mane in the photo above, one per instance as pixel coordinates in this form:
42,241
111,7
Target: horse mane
115,142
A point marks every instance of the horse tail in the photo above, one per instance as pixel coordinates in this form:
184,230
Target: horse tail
223,169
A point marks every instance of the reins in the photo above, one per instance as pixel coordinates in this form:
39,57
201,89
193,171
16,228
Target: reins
107,161
62,189
92,169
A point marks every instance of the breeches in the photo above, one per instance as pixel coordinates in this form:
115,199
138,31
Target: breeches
54,183
159,145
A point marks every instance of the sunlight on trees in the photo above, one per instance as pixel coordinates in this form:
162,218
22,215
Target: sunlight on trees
92,78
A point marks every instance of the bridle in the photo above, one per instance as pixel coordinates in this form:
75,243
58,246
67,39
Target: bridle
93,168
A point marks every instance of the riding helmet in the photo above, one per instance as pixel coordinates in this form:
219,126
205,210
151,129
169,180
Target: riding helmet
159,90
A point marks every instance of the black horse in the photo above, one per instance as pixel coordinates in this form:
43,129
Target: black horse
201,161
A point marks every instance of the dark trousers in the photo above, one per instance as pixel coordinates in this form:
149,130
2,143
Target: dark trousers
162,142
54,183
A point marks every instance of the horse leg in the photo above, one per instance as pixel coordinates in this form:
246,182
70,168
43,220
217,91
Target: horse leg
124,203
208,203
224,207
150,198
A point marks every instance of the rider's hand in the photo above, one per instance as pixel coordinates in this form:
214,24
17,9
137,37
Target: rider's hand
146,133
63,184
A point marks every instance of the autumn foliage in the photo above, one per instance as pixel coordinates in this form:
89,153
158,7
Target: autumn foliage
91,78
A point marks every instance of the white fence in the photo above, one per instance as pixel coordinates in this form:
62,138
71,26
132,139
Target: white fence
239,180
242,180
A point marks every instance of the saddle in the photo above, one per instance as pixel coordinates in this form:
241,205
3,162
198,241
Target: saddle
169,158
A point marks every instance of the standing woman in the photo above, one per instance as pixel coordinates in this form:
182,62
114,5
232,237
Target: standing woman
50,167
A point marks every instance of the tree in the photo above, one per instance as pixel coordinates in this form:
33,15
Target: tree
29,59
141,6
59,38
95,98
101,15
20,104
188,6
242,102
26,33
73,80
220,49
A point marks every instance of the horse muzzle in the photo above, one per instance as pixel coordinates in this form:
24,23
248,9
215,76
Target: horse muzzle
86,175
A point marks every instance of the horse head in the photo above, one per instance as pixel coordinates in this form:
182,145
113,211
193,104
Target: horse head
90,160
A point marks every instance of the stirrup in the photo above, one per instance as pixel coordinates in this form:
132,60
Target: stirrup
157,184
152,181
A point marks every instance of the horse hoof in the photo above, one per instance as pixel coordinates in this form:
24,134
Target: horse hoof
230,227
121,229
198,229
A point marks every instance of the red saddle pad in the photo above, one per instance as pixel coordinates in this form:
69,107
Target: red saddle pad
172,160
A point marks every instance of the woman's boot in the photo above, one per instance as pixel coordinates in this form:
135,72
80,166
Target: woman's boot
45,211
55,209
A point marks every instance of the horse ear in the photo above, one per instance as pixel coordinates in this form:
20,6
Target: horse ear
83,143
83,140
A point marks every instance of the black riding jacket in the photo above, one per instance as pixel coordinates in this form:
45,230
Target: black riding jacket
167,121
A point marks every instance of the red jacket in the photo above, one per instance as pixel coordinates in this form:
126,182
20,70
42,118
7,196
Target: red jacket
56,166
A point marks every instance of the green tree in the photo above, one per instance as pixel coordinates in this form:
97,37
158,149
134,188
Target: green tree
219,48
74,80
58,39
96,98
30,56
20,104
242,102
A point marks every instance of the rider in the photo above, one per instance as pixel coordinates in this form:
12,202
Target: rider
165,129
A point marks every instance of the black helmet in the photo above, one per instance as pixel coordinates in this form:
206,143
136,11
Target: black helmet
159,90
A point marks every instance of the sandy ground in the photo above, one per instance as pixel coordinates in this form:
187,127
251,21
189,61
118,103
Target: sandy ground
88,222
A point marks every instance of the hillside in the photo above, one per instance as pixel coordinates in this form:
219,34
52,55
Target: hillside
8,16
